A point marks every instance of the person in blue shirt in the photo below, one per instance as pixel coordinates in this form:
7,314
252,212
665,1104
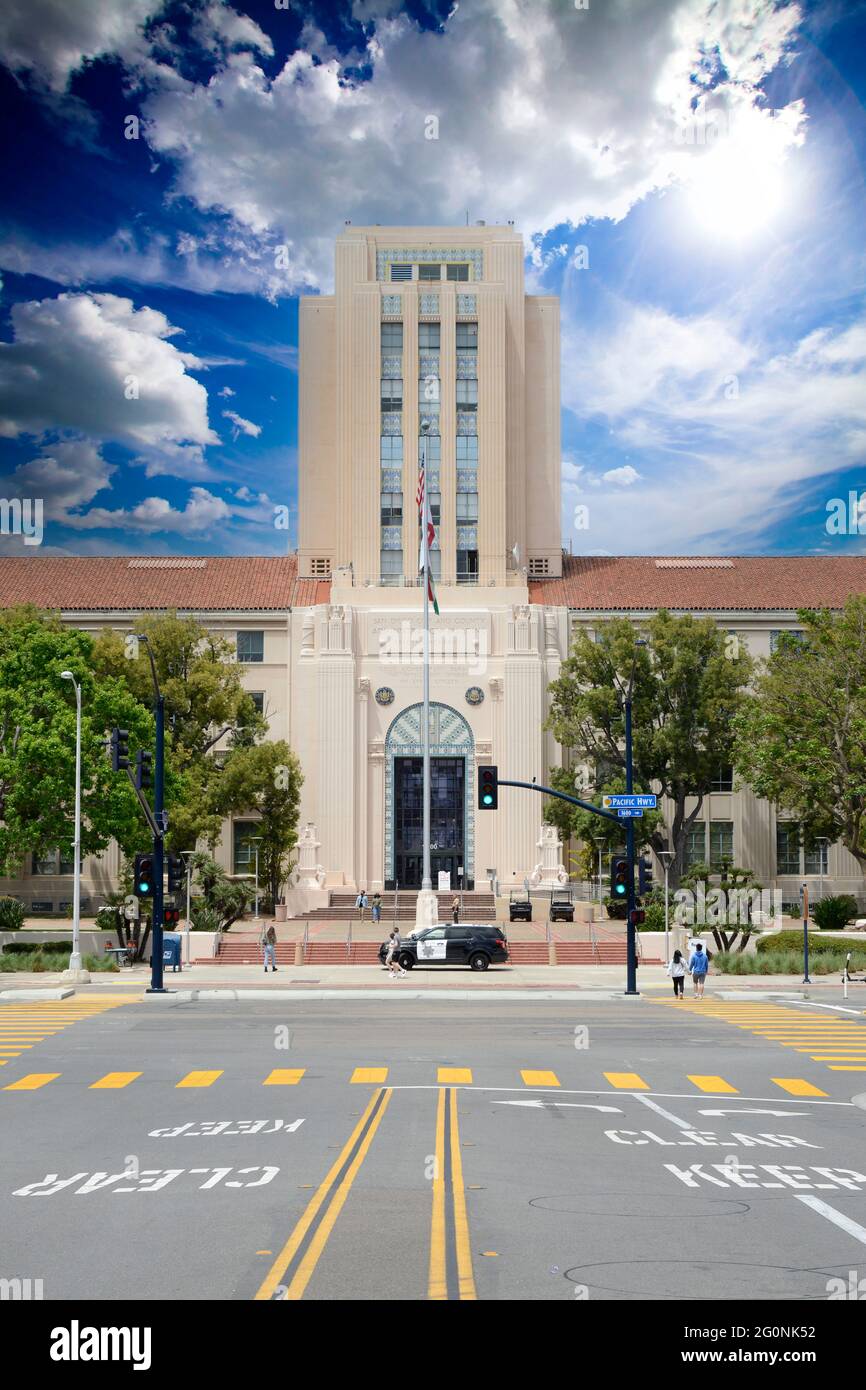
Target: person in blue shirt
699,964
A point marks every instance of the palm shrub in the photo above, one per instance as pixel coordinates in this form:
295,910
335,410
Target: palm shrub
11,914
834,913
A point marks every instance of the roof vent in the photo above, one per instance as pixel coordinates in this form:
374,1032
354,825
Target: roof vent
695,562
167,562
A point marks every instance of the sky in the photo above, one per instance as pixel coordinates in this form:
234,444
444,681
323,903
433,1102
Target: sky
689,176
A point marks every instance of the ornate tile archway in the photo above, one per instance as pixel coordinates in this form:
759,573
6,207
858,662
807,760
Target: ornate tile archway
450,737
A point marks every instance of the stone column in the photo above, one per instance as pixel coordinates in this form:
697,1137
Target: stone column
337,739
523,751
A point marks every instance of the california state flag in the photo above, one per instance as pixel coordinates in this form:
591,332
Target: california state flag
428,536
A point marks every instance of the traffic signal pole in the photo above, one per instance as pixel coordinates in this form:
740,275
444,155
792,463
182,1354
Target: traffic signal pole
156,977
631,931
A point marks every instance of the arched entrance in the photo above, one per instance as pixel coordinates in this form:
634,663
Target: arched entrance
452,784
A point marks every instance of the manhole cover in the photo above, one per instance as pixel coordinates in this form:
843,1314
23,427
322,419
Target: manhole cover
647,1208
700,1279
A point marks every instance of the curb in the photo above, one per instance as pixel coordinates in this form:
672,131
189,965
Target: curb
232,996
34,996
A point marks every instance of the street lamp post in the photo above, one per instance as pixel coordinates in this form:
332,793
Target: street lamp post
187,854
256,840
75,958
599,840
631,935
667,858
821,841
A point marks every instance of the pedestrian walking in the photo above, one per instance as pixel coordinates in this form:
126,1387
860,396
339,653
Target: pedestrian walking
392,955
361,904
376,907
677,970
698,967
455,910
269,942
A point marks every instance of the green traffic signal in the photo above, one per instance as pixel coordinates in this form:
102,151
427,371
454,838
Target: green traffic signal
488,788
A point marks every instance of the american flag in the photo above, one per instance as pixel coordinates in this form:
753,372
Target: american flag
419,496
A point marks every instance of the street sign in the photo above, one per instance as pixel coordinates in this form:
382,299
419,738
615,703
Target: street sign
130,907
629,801
631,814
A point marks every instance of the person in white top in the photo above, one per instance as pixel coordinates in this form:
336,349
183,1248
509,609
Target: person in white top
677,971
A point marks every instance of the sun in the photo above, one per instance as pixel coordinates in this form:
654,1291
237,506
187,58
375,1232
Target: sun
736,192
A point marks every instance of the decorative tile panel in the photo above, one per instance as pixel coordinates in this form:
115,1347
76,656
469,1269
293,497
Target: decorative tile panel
392,422
392,537
467,480
428,364
467,422
414,255
429,304
467,537
392,480
392,367
467,304
428,414
391,305
467,366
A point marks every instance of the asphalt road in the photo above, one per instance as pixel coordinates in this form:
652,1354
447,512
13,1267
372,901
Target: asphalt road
415,1149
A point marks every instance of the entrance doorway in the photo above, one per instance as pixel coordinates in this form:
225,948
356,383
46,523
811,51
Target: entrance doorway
447,819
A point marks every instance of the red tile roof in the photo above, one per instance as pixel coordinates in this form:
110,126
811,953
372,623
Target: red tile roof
140,583
703,583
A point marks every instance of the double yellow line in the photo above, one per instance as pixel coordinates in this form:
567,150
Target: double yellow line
450,1270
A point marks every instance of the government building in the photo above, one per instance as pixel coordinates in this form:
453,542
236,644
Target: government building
429,350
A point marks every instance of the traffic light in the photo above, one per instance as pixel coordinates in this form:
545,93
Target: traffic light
638,916
143,885
143,769
171,916
119,749
488,789
176,873
645,875
619,878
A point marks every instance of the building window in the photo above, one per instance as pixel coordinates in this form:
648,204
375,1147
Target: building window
467,566
457,272
429,272
392,508
696,846
723,781
467,451
721,842
467,395
392,394
467,337
392,337
435,508
258,699
390,566
320,566
467,506
428,337
244,849
791,855
53,862
401,272
434,450
251,647
795,632
391,450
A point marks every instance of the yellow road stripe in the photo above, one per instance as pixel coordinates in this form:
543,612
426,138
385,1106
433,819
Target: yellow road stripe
454,1076
437,1287
832,1068
284,1077
33,1082
114,1081
626,1080
367,1076
465,1278
713,1083
796,1086
540,1078
289,1250
198,1078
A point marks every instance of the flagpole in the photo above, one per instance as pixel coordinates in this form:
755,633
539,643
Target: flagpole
426,878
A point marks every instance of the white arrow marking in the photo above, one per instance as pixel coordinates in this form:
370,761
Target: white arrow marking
745,1110
561,1104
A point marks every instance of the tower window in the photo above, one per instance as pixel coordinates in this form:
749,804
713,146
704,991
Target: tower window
429,272
457,272
401,272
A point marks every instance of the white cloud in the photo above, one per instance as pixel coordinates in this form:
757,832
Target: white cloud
67,474
202,511
621,477
221,29
52,38
226,391
242,426
76,363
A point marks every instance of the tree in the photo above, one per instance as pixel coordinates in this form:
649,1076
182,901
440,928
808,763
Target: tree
801,737
689,682
583,826
266,779
725,907
37,743
224,900
204,702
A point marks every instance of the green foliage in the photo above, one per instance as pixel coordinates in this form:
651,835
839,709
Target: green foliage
266,779
203,918
584,826
835,912
37,743
689,682
793,941
17,948
729,880
787,963
801,735
227,901
12,914
654,907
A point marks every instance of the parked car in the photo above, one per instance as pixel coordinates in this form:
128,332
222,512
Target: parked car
520,907
561,906
474,944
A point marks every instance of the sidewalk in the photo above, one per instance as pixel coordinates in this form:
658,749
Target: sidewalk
603,979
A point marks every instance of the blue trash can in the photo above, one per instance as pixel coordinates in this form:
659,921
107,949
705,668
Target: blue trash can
171,950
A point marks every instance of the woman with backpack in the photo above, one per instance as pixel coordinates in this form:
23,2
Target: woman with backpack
677,971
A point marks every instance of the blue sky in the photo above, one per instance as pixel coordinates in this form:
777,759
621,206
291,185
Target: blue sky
688,176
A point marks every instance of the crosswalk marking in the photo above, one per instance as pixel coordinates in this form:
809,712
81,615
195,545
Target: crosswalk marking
197,1079
23,1026
626,1081
796,1086
369,1076
454,1076
114,1081
540,1078
836,1043
715,1084
284,1077
838,1068
34,1082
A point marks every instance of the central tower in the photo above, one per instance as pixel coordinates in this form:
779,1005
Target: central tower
429,330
